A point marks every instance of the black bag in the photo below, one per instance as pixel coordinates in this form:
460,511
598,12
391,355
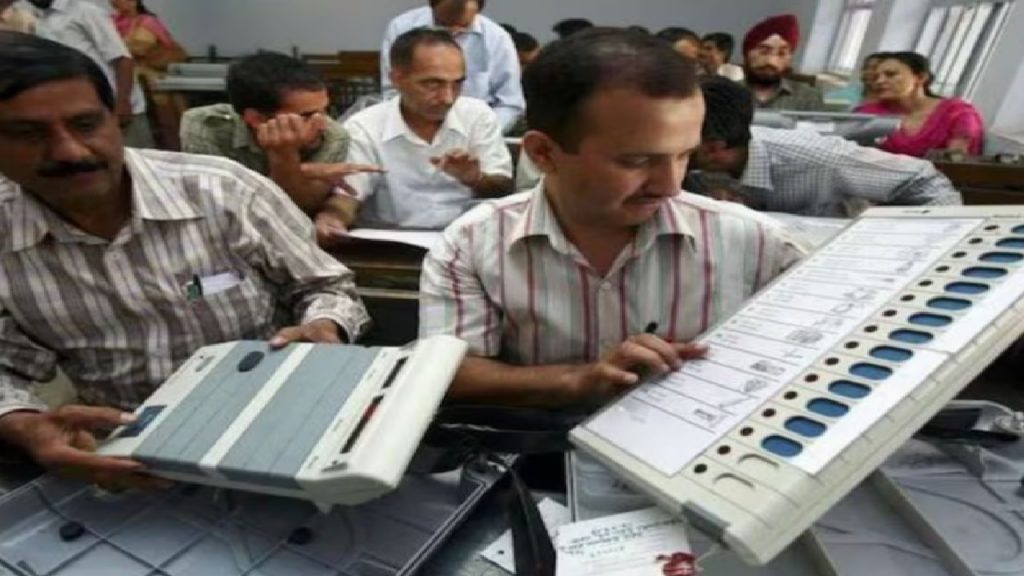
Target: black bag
463,432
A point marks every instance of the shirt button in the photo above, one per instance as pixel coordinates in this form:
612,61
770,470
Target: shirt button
606,286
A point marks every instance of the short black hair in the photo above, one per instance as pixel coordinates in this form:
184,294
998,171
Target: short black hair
723,42
524,42
674,34
728,111
261,81
638,28
403,51
568,72
461,3
28,61
570,26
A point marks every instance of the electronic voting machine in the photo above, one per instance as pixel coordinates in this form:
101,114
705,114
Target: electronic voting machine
331,423
822,375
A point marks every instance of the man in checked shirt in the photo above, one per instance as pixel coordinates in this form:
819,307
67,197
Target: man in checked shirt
116,264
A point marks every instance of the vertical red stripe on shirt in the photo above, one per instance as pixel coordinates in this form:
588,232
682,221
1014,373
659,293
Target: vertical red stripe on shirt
677,256
705,316
502,278
531,281
587,328
457,292
760,258
623,306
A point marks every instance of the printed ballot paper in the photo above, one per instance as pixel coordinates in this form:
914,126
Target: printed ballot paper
647,542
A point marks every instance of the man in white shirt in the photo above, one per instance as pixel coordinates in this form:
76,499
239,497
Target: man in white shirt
440,151
85,27
492,64
715,52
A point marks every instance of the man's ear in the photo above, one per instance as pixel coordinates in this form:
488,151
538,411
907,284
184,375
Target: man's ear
253,118
542,151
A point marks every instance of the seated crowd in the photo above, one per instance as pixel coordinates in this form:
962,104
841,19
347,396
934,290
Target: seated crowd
602,267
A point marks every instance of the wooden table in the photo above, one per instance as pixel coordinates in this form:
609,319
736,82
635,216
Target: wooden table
388,279
985,182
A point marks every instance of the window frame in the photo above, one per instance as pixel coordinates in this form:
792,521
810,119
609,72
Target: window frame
842,43
958,52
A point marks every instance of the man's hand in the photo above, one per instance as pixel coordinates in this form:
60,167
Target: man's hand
621,368
289,133
63,441
461,165
330,229
335,173
323,331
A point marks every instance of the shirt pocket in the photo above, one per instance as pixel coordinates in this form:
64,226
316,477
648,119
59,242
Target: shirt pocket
243,311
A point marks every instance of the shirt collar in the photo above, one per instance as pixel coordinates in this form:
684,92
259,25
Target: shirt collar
758,173
395,126
477,27
152,200
539,220
242,137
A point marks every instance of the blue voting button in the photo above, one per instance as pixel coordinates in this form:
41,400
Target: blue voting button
911,336
849,389
782,446
934,320
984,272
1012,243
953,304
1002,257
971,288
827,407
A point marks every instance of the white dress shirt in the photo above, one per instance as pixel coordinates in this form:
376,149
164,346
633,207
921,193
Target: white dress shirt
413,193
492,65
732,72
85,27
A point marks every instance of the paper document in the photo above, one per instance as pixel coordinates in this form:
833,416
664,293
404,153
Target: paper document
647,542
501,551
421,238
777,337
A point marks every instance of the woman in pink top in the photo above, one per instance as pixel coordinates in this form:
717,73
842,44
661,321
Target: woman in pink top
146,37
929,122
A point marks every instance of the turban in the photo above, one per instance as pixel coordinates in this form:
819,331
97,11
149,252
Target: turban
785,25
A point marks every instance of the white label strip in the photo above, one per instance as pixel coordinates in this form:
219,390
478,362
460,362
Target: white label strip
296,354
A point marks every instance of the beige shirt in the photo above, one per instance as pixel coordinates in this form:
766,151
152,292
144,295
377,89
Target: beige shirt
119,317
15,19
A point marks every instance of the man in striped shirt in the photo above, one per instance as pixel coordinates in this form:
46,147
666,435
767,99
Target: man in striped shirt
556,289
116,264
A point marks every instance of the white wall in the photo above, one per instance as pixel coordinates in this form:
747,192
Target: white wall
323,26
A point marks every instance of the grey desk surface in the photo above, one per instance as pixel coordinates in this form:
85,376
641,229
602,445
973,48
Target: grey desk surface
459,557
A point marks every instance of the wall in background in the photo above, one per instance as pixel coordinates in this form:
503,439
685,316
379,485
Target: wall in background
323,26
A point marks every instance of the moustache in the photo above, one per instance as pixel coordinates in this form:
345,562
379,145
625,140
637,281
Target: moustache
65,169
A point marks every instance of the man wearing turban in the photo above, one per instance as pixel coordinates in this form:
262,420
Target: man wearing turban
768,57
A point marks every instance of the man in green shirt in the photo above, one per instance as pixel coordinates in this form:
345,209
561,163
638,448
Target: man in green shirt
277,124
768,57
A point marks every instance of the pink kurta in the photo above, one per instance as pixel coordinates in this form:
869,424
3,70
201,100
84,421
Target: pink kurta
952,119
